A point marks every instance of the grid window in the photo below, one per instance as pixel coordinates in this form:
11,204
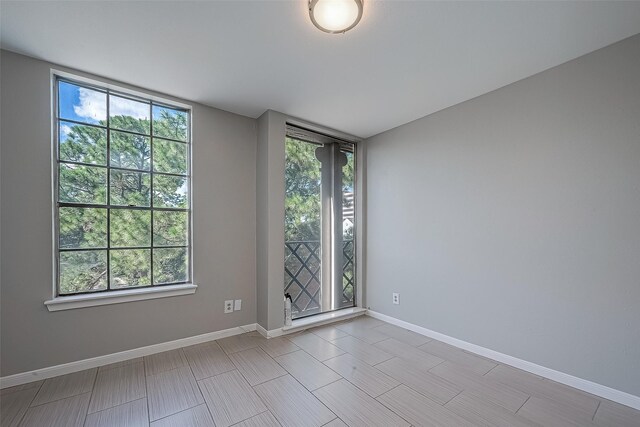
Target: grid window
123,190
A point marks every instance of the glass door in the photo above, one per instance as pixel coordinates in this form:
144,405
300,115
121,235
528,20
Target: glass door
319,222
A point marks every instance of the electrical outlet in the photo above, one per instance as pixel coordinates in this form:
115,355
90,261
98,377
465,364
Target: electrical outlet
237,305
228,306
396,298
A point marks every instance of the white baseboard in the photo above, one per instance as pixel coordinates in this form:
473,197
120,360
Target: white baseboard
585,385
94,362
312,322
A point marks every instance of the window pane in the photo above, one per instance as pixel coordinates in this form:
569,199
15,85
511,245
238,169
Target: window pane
129,188
130,267
83,271
82,144
127,114
170,265
82,184
170,123
130,228
170,191
82,104
348,221
83,228
170,228
130,151
169,156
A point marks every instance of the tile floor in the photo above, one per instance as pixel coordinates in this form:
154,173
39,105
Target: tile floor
361,372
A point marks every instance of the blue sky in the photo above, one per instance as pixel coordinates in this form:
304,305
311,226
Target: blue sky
90,106
70,104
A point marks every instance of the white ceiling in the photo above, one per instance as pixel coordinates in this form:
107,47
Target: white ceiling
405,59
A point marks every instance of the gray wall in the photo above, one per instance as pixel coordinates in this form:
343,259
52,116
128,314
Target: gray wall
512,220
224,164
270,219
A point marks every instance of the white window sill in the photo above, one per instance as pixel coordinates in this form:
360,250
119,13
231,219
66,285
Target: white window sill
117,297
324,318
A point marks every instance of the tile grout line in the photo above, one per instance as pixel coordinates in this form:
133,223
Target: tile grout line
30,402
122,404
146,389
461,391
263,412
525,402
390,390
486,373
170,415
390,409
197,383
598,407
62,398
164,372
302,385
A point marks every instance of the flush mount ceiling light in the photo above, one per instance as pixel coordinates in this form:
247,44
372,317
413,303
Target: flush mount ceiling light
335,16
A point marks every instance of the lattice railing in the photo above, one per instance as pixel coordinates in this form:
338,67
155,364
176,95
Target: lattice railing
302,275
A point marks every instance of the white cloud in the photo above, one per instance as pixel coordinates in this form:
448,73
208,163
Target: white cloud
125,107
93,105
64,130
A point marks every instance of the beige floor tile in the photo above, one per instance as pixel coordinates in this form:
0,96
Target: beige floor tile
198,416
570,396
165,361
265,419
419,410
336,423
34,384
362,331
329,332
230,398
14,405
404,335
117,386
120,364
132,414
309,371
241,342
485,413
416,357
316,346
487,388
514,376
65,386
611,414
292,404
422,381
275,347
477,364
355,407
364,320
362,375
256,365
534,385
207,360
426,383
553,413
69,412
362,350
171,392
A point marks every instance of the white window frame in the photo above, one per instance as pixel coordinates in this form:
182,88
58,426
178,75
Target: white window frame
72,301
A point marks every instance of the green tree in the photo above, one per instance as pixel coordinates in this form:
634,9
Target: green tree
86,227
303,209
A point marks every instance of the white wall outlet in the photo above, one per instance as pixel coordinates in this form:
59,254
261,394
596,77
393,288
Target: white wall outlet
396,298
237,305
228,306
